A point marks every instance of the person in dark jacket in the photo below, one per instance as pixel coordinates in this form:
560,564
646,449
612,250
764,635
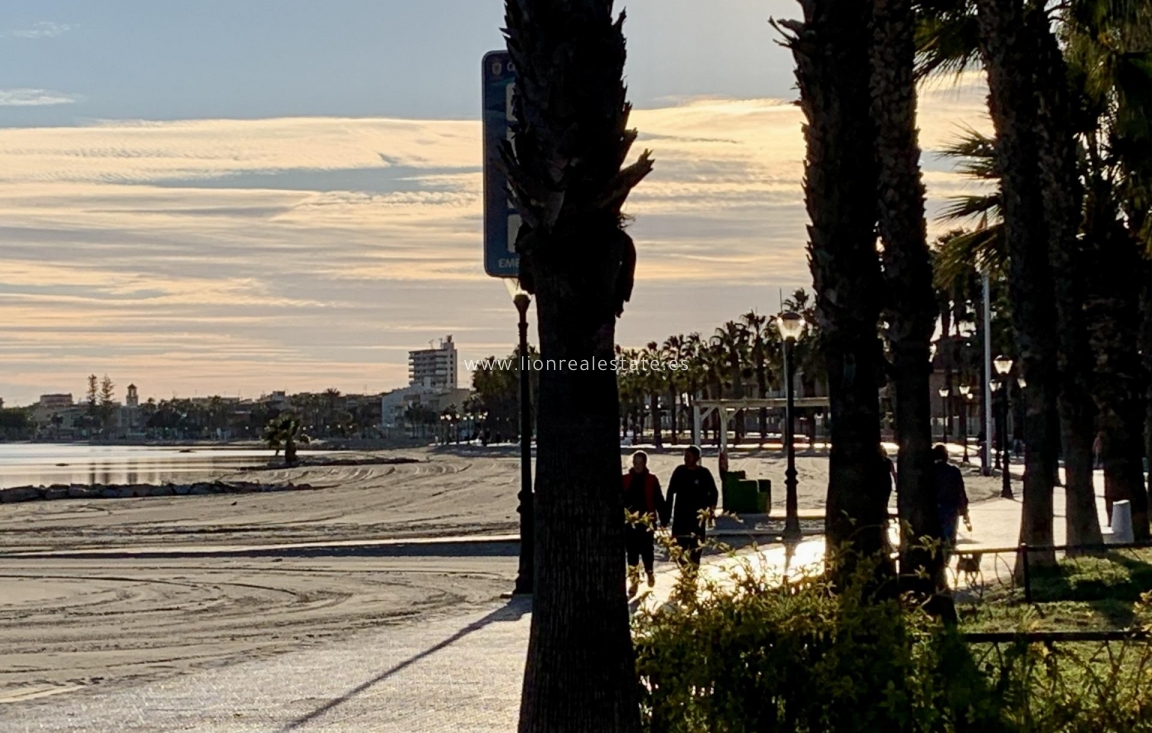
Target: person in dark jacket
691,490
644,506
951,499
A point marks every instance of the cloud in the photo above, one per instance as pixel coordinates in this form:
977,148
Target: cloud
43,29
33,98
302,253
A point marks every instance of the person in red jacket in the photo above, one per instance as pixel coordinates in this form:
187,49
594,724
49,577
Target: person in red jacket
644,507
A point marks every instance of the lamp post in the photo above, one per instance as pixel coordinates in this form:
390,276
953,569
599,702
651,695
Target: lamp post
526,571
1003,366
791,326
965,399
944,392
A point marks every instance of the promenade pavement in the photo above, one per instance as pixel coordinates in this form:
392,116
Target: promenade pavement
457,672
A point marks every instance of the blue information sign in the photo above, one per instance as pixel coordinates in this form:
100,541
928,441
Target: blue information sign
501,222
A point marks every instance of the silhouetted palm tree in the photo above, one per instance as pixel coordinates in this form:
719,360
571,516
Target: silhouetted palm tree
831,53
564,165
285,431
910,302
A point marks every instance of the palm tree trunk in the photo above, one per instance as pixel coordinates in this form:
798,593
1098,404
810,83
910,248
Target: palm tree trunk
908,276
564,167
1008,60
1059,178
673,409
654,408
1145,342
832,72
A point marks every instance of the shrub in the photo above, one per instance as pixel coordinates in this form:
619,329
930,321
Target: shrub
749,653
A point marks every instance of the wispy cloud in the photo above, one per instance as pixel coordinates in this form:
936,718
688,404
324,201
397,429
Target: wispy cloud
33,98
248,255
43,29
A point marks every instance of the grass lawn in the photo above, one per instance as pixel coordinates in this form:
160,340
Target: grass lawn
1098,592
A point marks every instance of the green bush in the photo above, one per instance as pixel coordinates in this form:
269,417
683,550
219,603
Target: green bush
751,654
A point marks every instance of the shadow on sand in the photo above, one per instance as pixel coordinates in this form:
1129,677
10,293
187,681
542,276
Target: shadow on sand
512,611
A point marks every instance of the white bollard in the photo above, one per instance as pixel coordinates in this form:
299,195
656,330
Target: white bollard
1121,523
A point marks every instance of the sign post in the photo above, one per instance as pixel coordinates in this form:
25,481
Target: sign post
501,222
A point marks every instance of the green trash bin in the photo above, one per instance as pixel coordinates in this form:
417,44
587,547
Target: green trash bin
764,496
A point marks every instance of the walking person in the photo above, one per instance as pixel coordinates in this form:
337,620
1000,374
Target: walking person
951,499
691,491
644,506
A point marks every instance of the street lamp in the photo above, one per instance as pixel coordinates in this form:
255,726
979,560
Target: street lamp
965,399
1003,366
791,326
524,574
944,392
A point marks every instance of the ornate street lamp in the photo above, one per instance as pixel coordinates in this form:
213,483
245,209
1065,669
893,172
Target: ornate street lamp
1003,366
525,573
791,326
944,392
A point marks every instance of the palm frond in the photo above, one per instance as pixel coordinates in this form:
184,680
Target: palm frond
959,208
947,38
958,256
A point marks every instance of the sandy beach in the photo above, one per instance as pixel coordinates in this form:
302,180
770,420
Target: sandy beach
203,593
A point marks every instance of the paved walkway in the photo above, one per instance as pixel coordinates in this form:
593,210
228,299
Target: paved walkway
454,673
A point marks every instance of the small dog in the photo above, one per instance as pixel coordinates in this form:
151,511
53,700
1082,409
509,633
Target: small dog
968,565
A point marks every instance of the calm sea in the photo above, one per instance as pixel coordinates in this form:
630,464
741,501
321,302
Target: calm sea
23,464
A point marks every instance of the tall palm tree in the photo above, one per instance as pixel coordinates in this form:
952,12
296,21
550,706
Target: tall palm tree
840,182
673,351
759,338
564,165
1008,51
1062,199
909,303
731,340
1077,89
654,381
717,376
696,376
1109,49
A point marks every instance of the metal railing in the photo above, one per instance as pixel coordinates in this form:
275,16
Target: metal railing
974,572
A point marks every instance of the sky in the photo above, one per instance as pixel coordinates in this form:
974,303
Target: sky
218,197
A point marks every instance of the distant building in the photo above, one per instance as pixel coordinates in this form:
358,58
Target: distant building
278,400
433,368
395,404
51,402
133,399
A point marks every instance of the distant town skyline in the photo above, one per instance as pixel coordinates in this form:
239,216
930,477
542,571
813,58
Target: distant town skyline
225,198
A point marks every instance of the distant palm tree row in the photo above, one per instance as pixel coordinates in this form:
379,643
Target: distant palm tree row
742,358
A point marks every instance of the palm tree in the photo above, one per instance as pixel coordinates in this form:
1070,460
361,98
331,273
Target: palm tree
284,431
731,340
673,351
653,380
1108,47
840,182
564,165
1079,85
696,376
910,302
716,365
1008,54
759,337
